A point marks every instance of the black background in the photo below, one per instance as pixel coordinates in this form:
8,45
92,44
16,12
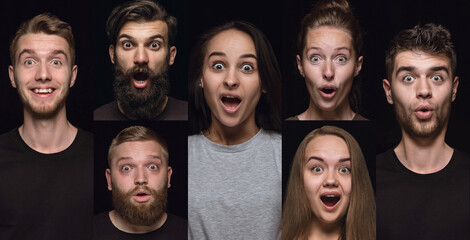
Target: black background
77,14
176,138
280,21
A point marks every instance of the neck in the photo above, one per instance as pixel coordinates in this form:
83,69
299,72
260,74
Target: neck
424,155
50,135
342,112
224,135
125,226
324,231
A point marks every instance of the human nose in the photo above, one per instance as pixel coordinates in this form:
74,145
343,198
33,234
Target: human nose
231,80
328,70
141,56
43,73
423,88
330,180
141,177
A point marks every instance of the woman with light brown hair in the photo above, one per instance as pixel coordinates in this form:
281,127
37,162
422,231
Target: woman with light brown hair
329,59
329,193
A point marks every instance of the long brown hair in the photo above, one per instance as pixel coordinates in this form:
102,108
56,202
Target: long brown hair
268,111
297,214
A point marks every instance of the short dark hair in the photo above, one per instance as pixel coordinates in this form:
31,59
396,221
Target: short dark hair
430,38
135,134
139,11
268,109
44,23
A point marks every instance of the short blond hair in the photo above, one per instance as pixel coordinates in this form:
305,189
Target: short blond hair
44,23
134,134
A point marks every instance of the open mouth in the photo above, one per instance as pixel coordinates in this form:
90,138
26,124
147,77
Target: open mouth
140,76
142,196
230,103
328,90
424,112
330,200
43,90
140,79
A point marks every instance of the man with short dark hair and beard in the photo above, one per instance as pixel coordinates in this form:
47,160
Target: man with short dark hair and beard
46,190
423,183
142,37
139,177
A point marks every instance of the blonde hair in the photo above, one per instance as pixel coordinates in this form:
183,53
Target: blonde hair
297,214
134,134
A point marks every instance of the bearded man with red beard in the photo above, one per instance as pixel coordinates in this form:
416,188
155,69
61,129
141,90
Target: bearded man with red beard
142,37
139,177
422,183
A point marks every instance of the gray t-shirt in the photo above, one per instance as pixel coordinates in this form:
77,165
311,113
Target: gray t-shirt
234,191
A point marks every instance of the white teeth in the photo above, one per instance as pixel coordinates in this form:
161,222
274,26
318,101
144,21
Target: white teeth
43,90
330,195
229,96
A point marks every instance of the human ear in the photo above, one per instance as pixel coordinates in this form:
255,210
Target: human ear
299,65
172,55
74,75
455,85
358,66
108,179
388,90
111,53
170,171
11,73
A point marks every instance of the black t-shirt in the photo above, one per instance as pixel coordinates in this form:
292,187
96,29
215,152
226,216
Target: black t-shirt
175,110
422,206
46,196
174,228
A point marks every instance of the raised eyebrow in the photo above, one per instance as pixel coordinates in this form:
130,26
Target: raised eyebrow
125,36
60,52
315,158
405,69
249,55
440,68
216,54
28,51
321,159
157,36
343,48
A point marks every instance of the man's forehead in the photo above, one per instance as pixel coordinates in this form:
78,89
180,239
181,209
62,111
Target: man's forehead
144,29
420,59
42,43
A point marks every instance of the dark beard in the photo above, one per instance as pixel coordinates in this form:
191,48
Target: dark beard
143,214
140,103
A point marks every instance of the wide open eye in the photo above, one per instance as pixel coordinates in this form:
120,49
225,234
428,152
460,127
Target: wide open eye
153,166
218,66
247,68
345,170
437,78
126,44
126,168
408,78
317,169
155,45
